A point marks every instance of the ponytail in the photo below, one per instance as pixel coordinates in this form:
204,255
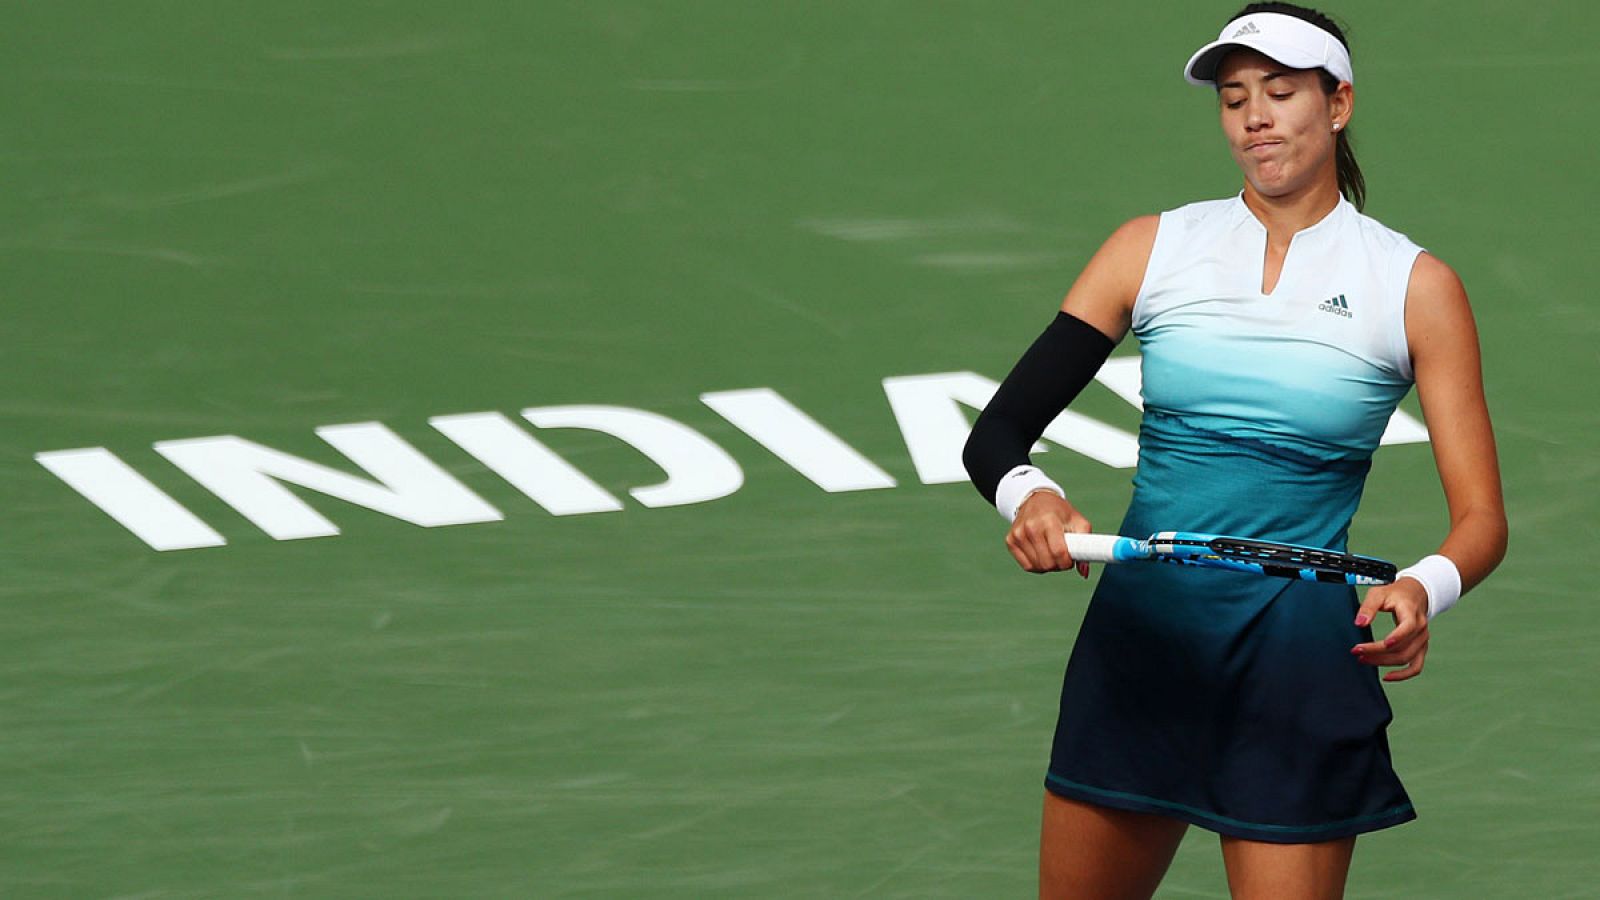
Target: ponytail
1352,184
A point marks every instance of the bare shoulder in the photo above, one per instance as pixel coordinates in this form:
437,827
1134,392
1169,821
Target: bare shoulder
1437,311
1432,280
1134,238
1104,293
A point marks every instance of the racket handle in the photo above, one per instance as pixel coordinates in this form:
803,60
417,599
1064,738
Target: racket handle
1100,548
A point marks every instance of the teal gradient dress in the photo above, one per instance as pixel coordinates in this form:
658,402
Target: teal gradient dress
1228,700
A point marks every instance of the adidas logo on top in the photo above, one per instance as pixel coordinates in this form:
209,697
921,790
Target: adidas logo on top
1249,28
1337,305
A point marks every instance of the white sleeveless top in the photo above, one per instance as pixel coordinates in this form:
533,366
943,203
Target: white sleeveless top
1317,366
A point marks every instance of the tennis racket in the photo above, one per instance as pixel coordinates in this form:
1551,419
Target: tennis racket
1215,551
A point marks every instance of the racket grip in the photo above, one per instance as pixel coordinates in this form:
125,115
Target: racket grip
1100,548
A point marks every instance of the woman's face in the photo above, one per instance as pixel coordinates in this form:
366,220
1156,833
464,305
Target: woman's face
1279,124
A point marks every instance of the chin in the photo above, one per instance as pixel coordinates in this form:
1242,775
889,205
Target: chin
1273,186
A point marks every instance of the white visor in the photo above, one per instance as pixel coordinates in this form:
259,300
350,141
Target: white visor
1294,42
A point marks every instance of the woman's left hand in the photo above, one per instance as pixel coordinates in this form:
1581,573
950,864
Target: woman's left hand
1407,644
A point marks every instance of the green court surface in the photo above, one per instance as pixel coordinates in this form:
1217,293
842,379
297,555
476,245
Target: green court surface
262,219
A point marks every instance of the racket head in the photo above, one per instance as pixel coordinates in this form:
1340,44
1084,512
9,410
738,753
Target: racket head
1275,558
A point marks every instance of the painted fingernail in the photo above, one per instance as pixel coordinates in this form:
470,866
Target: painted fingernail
1363,620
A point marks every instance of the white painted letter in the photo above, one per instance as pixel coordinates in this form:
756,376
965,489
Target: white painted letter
935,428
409,486
530,466
125,495
798,440
697,470
1125,379
1403,428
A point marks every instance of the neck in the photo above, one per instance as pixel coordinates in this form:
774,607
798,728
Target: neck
1289,213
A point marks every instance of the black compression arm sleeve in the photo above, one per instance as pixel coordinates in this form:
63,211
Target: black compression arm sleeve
1059,364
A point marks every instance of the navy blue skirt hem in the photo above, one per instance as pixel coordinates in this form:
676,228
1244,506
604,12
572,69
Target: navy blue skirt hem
1250,831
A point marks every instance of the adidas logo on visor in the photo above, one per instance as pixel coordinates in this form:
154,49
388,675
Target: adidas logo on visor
1249,28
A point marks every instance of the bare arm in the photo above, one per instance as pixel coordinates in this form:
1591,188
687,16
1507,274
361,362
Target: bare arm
1445,355
1105,290
1103,297
1445,358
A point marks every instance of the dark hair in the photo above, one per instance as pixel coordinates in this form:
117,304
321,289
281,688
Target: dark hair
1351,182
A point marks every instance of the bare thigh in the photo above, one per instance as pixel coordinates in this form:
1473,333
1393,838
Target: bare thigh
1088,851
1259,871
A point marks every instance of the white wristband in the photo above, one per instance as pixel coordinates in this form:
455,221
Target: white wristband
1017,485
1439,577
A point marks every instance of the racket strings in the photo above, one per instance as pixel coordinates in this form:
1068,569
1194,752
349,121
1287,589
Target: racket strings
1303,557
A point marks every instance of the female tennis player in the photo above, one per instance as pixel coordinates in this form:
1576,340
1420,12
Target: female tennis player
1278,330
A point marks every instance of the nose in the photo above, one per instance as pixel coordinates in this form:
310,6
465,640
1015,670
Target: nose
1258,115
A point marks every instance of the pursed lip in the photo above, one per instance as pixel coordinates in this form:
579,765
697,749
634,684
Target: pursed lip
1256,146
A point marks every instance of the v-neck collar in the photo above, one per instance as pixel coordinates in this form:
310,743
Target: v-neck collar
1245,217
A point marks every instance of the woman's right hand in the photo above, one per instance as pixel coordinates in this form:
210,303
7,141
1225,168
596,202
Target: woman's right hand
1037,539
